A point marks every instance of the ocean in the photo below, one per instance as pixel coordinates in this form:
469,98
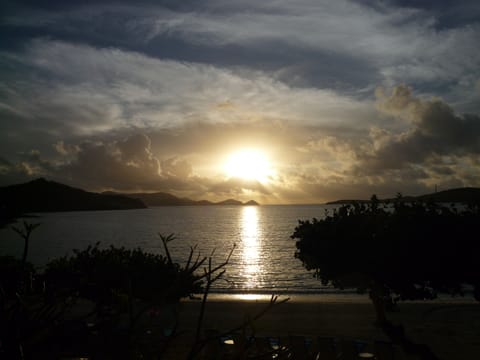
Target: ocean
262,261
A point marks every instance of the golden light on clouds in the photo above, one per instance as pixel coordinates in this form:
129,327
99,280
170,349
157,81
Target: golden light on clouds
249,164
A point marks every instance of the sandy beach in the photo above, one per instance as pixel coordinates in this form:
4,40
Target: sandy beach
451,328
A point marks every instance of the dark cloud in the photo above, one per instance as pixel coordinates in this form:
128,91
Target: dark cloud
433,129
288,62
29,167
62,5
442,170
175,167
309,49
66,149
447,13
332,188
13,173
126,163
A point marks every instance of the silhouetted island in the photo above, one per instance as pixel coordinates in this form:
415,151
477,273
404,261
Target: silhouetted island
166,199
459,195
41,195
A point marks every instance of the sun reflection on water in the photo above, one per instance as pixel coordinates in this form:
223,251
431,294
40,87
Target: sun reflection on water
250,237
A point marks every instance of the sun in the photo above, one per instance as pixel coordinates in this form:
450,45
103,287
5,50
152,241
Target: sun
249,164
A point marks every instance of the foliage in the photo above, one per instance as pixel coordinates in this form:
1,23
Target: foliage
103,275
122,281
16,276
398,251
16,285
39,321
13,273
25,234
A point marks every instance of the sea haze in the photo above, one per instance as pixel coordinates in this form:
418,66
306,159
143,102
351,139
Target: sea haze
262,262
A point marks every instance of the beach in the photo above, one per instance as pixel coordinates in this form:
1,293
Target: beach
450,328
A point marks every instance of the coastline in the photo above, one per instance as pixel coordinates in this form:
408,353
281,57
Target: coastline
322,297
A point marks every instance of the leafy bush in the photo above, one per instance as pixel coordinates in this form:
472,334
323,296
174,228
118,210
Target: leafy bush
13,275
103,275
123,283
405,251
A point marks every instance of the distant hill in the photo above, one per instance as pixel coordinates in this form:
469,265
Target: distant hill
460,195
464,195
166,199
41,195
229,202
161,199
47,196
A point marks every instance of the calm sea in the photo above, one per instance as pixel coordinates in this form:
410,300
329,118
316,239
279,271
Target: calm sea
262,262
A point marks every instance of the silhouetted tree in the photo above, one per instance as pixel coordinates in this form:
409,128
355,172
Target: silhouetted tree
404,251
25,234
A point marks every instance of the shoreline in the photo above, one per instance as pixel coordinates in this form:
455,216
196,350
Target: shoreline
322,297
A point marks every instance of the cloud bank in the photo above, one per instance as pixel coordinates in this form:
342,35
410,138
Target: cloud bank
153,96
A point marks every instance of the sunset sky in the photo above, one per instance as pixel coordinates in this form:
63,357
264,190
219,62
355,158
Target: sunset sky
277,101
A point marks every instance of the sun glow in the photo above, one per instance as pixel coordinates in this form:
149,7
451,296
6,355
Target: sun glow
249,164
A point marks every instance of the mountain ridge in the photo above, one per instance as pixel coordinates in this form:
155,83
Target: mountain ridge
41,195
456,195
167,199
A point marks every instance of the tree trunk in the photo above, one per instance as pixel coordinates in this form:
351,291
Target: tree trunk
377,297
396,333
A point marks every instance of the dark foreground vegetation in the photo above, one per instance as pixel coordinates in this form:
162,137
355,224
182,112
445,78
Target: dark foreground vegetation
93,302
105,303
397,251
